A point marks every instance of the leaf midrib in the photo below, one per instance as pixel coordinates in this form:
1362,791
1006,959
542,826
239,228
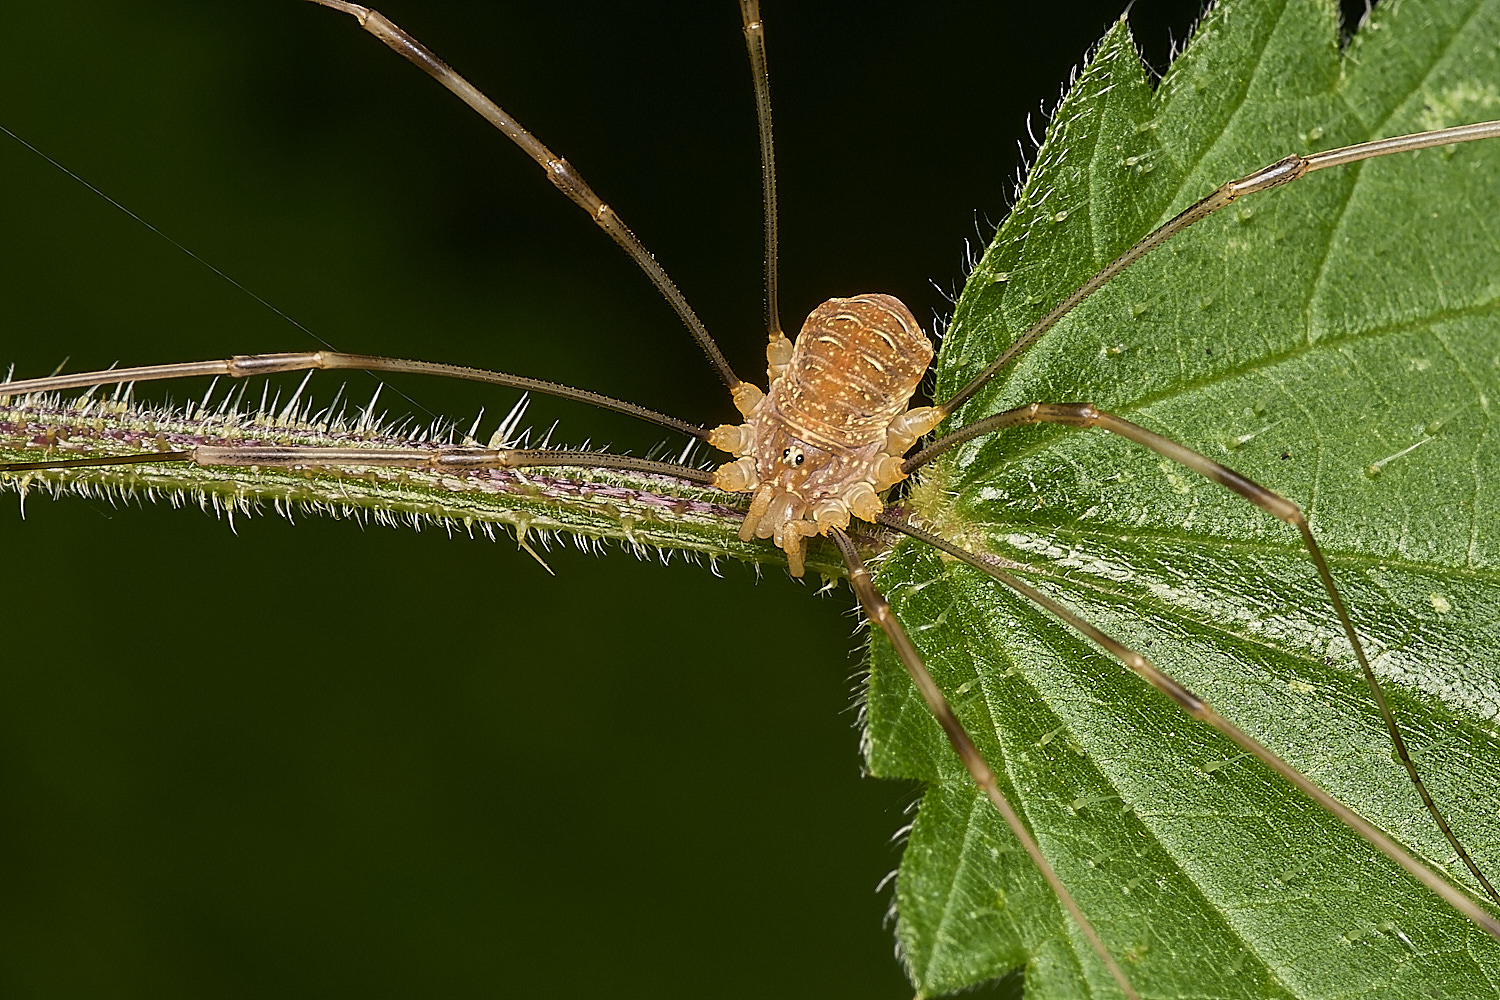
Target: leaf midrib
1348,559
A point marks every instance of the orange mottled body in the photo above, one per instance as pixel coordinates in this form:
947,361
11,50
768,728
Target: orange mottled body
828,437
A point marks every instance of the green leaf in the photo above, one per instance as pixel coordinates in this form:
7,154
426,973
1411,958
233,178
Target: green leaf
1336,340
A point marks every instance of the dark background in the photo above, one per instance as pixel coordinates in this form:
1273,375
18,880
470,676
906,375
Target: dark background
312,759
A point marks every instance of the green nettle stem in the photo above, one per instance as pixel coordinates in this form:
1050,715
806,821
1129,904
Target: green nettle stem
639,510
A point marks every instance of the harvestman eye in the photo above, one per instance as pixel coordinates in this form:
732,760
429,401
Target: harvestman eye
874,339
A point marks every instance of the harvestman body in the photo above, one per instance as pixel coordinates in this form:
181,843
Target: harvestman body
830,435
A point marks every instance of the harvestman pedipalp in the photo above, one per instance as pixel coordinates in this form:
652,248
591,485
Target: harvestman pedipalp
1074,416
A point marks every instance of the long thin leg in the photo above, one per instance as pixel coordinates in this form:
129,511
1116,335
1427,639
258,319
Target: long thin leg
755,42
245,365
448,459
559,171
1199,709
1085,415
880,612
1283,171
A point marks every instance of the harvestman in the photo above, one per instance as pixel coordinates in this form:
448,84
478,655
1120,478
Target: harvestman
814,451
